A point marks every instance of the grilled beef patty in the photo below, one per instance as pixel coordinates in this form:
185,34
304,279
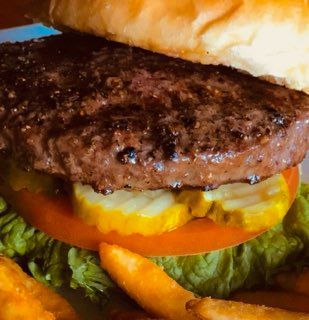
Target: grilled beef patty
115,117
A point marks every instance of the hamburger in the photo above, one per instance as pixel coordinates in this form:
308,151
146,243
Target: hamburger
174,130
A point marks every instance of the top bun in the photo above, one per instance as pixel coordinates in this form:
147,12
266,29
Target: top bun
266,38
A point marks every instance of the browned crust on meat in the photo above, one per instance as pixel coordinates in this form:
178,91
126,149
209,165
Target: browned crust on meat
108,115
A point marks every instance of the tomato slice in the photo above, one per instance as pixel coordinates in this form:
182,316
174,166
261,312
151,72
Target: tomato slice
55,217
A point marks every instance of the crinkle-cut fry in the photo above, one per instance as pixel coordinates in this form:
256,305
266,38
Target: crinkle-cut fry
292,281
146,283
215,309
14,281
276,299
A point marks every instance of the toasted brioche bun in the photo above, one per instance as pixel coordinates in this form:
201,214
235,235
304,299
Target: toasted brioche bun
268,39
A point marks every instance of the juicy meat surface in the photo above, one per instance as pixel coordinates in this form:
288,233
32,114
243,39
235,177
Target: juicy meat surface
115,117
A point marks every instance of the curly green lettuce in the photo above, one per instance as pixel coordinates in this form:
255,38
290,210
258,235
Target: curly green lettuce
217,273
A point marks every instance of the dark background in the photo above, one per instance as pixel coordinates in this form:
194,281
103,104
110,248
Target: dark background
12,13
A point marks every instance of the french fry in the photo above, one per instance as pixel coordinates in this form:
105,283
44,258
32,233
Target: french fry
53,302
277,299
161,296
146,283
215,309
20,287
296,282
20,306
130,315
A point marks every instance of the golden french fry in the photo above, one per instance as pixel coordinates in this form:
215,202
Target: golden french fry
20,287
146,283
19,306
215,309
296,282
130,315
277,299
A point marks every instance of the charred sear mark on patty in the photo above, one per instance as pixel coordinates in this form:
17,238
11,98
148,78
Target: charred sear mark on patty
112,116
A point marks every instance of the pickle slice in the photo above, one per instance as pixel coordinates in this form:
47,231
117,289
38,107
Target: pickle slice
128,212
197,202
252,207
32,180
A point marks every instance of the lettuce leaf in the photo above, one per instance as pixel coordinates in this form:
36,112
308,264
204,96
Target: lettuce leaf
217,273
87,274
251,264
297,221
50,261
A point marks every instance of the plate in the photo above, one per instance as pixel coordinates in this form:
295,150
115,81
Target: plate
82,305
24,33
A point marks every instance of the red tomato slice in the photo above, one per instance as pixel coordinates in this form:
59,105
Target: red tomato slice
55,217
